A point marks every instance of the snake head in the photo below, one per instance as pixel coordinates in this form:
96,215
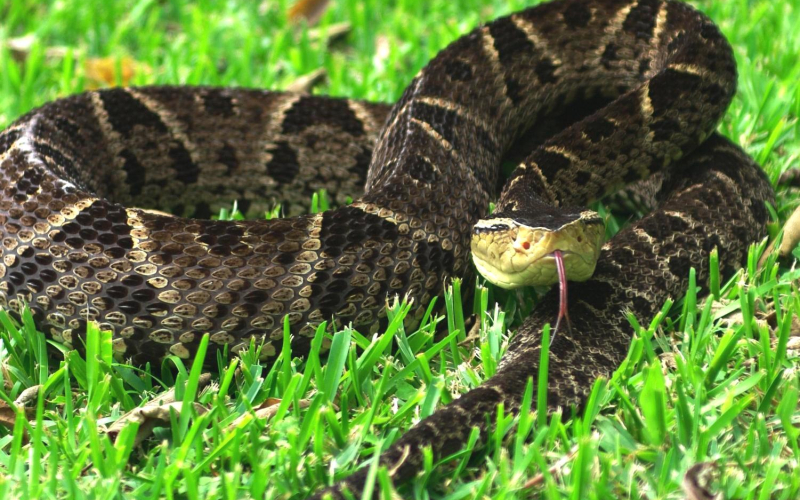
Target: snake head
514,248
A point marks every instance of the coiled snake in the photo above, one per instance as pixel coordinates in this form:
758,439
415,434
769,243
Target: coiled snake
649,79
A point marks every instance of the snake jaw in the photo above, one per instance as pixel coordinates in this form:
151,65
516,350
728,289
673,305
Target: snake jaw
512,255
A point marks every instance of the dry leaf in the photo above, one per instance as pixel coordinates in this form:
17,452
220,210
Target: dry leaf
20,47
696,480
791,237
264,411
791,233
473,336
28,395
8,416
310,10
102,71
155,412
153,211
791,178
772,320
539,478
383,48
330,34
730,320
149,417
305,83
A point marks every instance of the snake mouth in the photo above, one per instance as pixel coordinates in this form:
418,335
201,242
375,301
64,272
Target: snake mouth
512,255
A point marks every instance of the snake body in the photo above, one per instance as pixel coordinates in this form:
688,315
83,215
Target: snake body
663,75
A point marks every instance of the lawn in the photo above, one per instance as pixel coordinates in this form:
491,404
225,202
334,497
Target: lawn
709,391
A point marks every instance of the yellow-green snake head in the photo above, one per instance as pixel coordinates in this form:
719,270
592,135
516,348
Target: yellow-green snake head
515,249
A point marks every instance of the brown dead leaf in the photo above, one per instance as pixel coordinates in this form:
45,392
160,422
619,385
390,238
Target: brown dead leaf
383,48
791,233
20,48
772,320
305,83
790,178
153,211
696,481
538,479
264,411
310,10
102,71
473,335
268,402
28,395
791,237
329,34
155,413
149,417
8,414
8,417
730,320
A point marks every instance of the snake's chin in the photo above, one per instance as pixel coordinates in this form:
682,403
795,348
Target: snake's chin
542,272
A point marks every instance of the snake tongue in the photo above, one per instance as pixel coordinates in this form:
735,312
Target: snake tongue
562,287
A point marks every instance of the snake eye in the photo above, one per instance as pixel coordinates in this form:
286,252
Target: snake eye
526,245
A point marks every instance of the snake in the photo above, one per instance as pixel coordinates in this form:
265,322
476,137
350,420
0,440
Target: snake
635,88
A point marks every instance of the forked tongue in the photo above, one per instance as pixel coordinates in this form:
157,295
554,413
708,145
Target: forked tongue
562,288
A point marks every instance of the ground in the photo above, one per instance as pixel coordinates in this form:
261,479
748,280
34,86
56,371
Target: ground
711,390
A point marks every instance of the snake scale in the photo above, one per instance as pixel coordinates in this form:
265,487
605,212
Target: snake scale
646,82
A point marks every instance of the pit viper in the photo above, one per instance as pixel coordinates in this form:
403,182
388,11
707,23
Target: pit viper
639,87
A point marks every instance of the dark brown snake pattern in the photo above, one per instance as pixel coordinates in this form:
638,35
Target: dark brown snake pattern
74,250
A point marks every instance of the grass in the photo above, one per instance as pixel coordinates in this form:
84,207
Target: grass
708,382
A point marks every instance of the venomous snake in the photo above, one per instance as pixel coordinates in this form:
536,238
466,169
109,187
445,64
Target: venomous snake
646,82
